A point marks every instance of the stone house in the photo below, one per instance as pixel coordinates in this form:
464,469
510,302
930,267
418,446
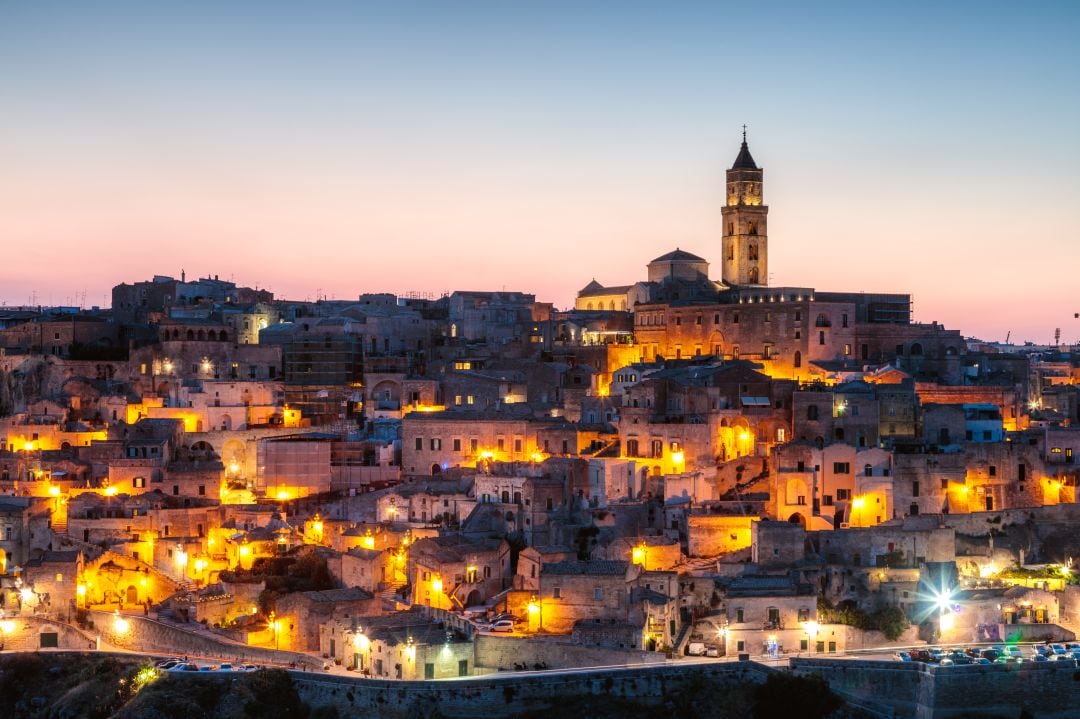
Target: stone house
300,614
452,571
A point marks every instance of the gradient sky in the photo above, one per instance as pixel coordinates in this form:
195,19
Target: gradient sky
349,147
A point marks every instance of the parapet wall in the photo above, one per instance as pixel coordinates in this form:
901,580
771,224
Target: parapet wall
507,695
151,636
494,653
1044,690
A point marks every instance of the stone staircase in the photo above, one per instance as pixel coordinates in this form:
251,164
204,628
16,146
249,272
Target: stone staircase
683,639
389,595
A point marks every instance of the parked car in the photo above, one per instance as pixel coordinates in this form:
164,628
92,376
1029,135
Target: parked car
502,625
226,667
945,662
1058,649
981,660
991,654
902,656
1042,650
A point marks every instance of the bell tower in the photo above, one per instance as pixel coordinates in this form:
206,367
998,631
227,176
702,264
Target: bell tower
746,237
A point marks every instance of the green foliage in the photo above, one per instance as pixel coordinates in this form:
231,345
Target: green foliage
894,558
890,620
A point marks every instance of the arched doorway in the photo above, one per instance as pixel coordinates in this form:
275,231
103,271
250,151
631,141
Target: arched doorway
797,518
132,594
436,469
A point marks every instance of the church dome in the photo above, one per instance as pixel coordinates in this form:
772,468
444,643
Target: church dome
678,265
678,255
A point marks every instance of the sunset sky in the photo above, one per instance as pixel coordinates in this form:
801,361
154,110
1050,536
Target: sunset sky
346,147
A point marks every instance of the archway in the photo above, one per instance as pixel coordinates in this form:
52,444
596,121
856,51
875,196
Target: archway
797,518
436,469
132,594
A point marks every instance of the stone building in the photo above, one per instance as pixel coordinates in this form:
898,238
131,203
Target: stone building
452,571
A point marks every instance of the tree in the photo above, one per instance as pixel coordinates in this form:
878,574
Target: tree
892,622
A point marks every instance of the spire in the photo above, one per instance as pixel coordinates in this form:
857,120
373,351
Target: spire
744,161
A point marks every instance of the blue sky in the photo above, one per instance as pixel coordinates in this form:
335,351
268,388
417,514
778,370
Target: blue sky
350,147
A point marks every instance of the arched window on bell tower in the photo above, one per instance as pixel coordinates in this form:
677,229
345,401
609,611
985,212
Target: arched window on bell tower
751,228
752,253
731,251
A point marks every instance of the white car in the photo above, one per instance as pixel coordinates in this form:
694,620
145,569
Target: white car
502,625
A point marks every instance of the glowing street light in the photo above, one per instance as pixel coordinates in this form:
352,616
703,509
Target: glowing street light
275,627
121,625
640,555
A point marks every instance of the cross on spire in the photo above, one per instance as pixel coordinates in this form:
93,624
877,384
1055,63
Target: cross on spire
744,132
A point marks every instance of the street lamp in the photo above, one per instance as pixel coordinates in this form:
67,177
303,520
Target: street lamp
640,555
275,627
120,625
535,610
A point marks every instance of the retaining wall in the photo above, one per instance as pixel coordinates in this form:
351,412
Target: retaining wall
26,631
493,653
149,635
495,696
1044,690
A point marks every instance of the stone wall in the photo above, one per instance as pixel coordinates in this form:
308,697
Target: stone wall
980,523
1048,690
148,635
494,653
23,633
507,695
